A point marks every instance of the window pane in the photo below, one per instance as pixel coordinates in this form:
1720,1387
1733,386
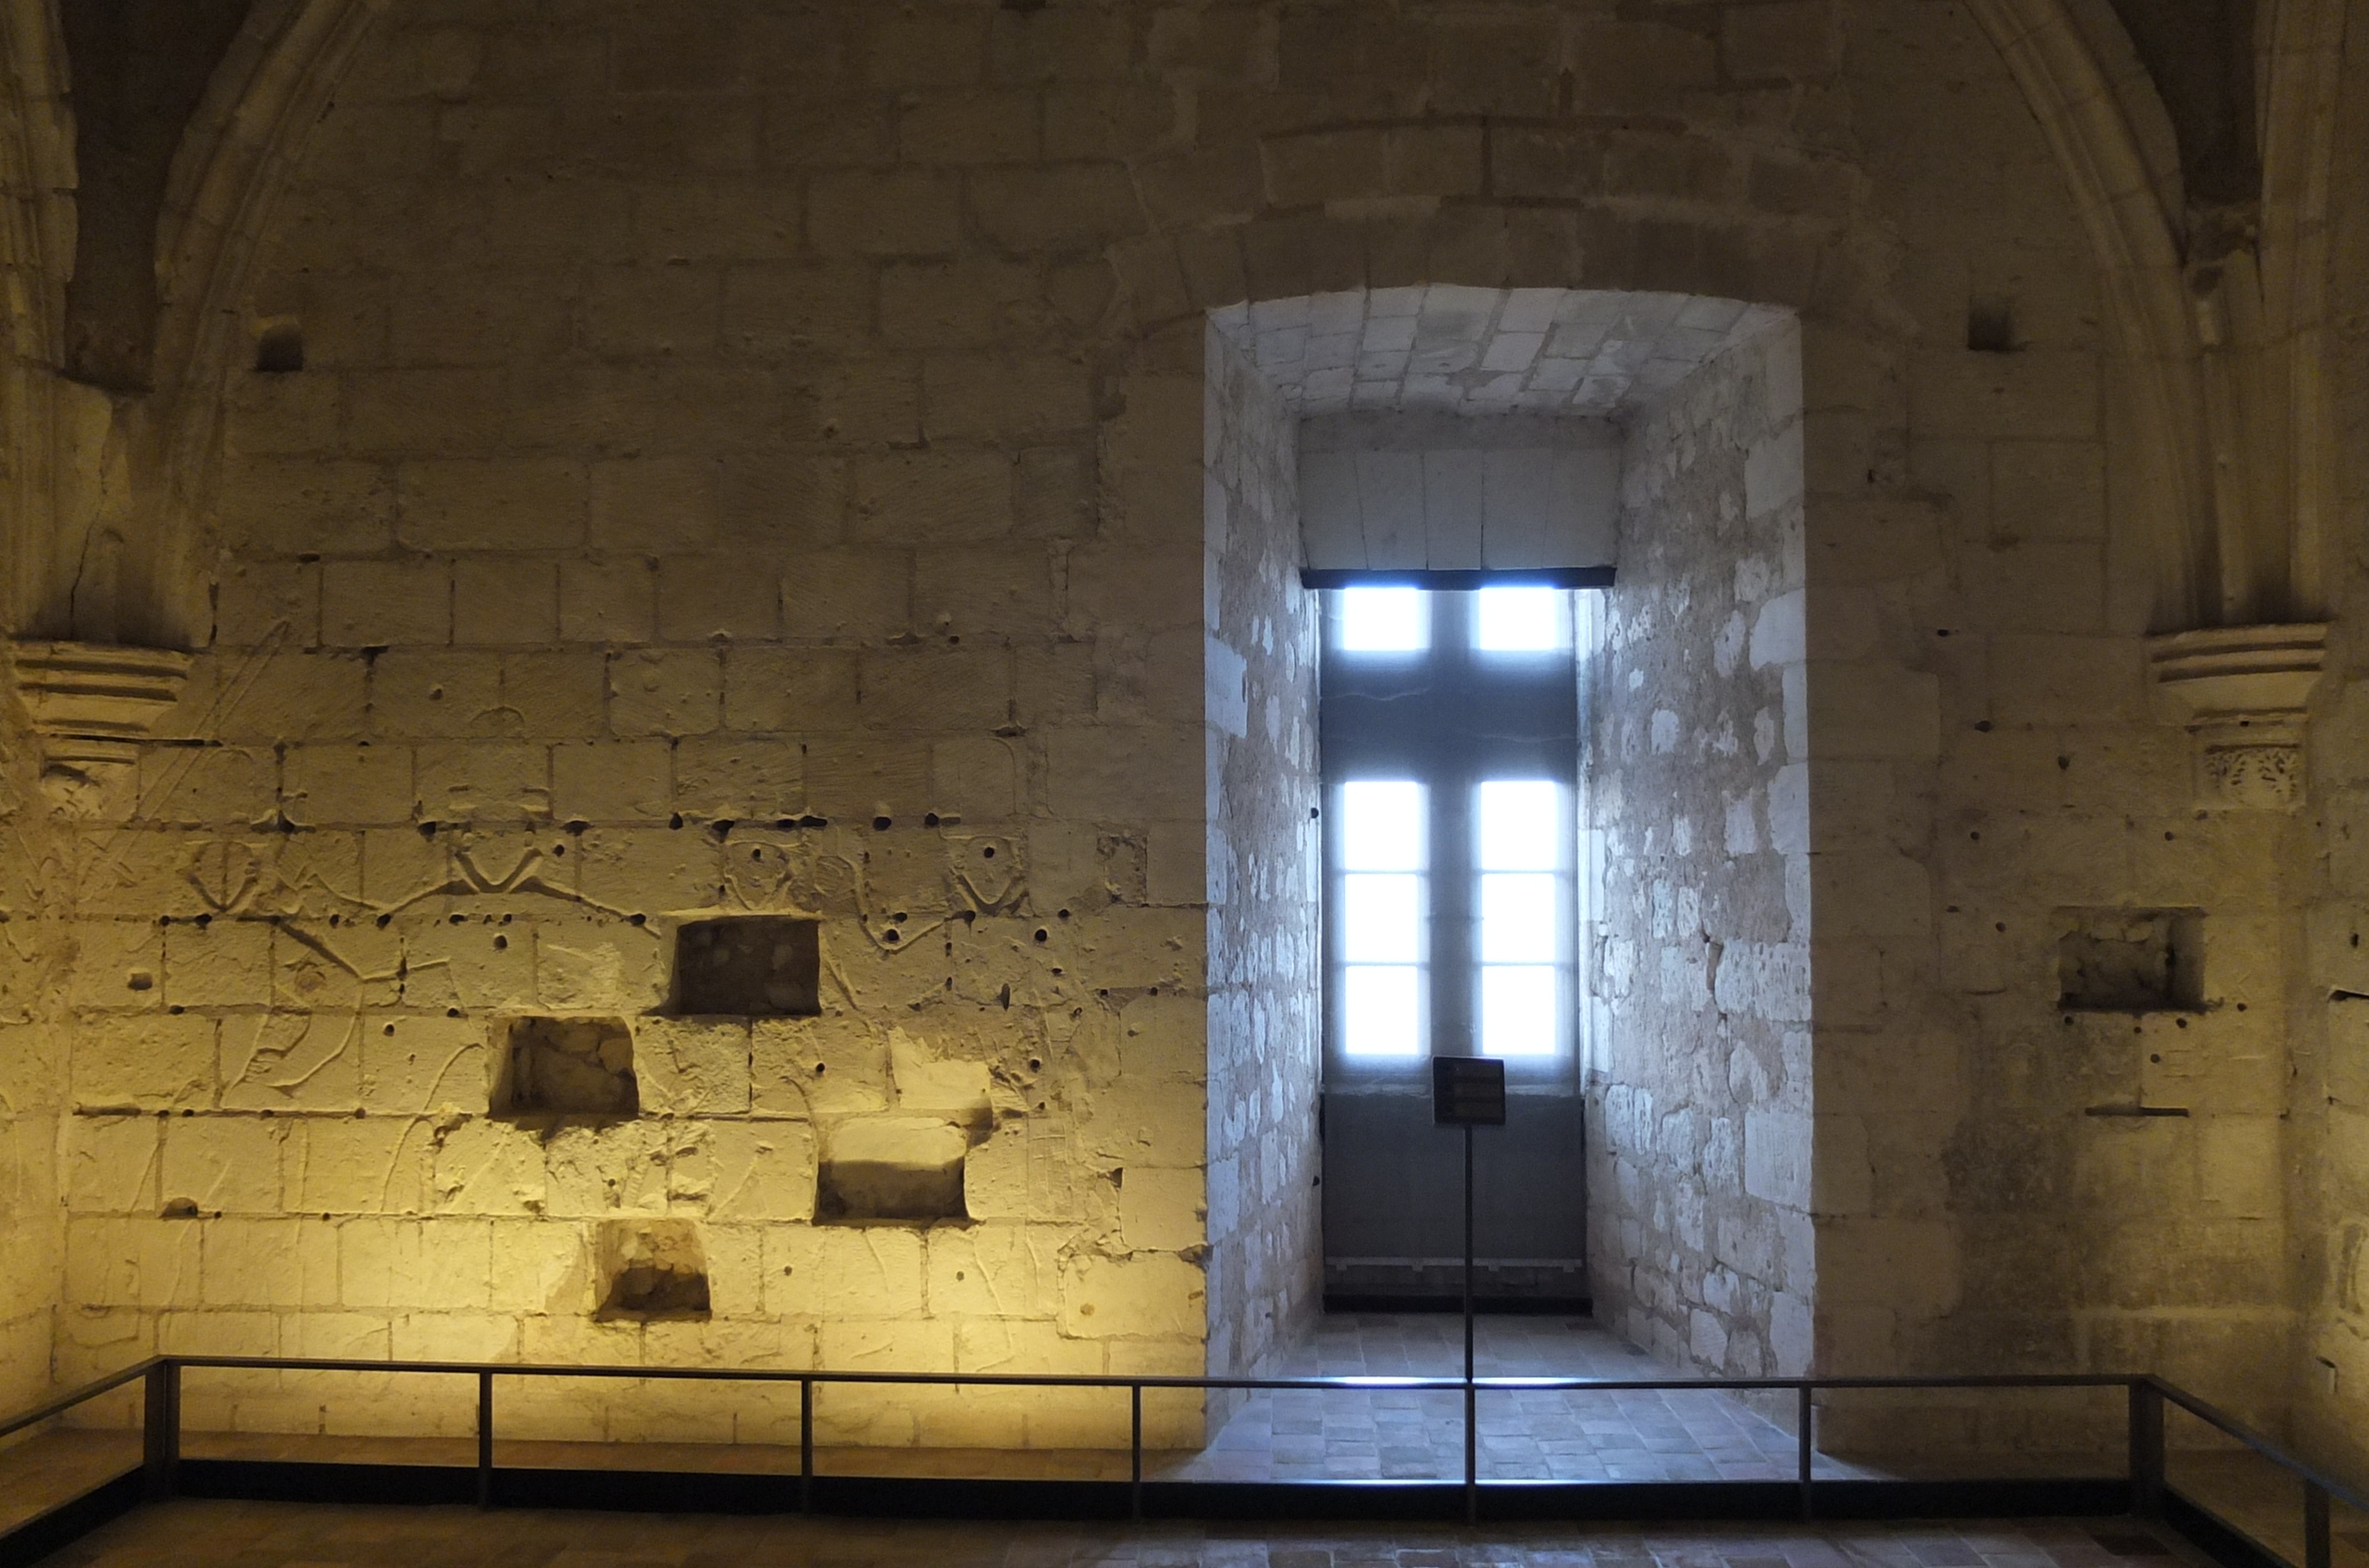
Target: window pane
1518,918
1381,919
1384,620
1380,1012
1382,825
1521,824
1518,620
1517,1010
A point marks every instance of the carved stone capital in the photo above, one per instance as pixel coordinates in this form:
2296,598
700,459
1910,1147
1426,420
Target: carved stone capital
90,703
2243,694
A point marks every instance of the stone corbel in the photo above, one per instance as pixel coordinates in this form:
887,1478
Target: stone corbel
2243,694
91,703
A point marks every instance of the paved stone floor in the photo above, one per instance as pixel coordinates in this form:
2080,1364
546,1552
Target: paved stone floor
257,1535
1548,1435
1291,1435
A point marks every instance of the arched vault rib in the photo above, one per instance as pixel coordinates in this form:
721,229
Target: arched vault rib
2150,315
245,139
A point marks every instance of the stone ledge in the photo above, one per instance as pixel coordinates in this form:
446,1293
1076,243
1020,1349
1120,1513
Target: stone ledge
2230,673
2242,693
91,703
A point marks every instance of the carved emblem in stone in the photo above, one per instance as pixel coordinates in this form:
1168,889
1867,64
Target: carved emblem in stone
2242,693
2264,777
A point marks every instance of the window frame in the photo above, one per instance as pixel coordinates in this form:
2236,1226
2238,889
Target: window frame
1450,682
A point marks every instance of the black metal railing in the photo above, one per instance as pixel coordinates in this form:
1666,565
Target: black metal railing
2147,1395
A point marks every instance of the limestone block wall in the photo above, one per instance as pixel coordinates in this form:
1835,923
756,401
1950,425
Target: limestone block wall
670,518
1265,1257
33,963
730,438
1700,1082
1989,778
2328,1186
1450,492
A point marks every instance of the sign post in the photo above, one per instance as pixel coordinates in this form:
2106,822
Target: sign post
1468,1092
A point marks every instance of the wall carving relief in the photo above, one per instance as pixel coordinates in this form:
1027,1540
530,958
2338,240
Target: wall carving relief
2243,694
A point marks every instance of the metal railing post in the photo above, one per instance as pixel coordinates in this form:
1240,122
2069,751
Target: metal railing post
2147,1448
484,1439
805,1445
1805,1448
160,1429
2315,1524
1471,1453
1135,1451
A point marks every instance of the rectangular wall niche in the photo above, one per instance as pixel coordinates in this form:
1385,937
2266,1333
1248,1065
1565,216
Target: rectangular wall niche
2130,961
651,1270
564,1067
756,966
906,1168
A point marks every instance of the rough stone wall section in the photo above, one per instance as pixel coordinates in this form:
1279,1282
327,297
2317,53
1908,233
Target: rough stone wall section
32,1071
1698,1087
680,381
1450,492
667,540
1988,768
2329,1181
1266,990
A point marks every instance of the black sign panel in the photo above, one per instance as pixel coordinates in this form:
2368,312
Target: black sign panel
1467,1092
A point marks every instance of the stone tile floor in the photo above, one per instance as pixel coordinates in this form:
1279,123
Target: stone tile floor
1290,1434
255,1535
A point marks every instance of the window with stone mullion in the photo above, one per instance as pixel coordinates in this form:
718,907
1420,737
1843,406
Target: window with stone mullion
1443,695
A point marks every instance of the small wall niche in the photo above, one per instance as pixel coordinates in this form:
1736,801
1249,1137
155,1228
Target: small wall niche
894,1168
2130,961
1990,324
280,345
752,966
564,1067
651,1270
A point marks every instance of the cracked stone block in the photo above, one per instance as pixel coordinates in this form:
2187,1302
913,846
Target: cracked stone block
566,1067
893,1168
2130,961
753,966
651,1270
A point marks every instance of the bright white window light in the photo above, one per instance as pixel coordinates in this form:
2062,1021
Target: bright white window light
1521,824
1385,620
1382,825
1519,1003
1518,620
1381,1011
1520,851
1382,920
1518,917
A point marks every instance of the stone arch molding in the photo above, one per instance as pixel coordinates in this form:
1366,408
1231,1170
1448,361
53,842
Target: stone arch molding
2222,327
37,237
246,139
2222,343
111,489
250,131
2121,207
115,485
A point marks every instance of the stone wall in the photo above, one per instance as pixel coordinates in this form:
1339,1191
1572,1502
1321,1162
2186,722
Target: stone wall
667,520
1459,491
722,430
2329,1184
1264,864
1990,779
1698,1089
32,1072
